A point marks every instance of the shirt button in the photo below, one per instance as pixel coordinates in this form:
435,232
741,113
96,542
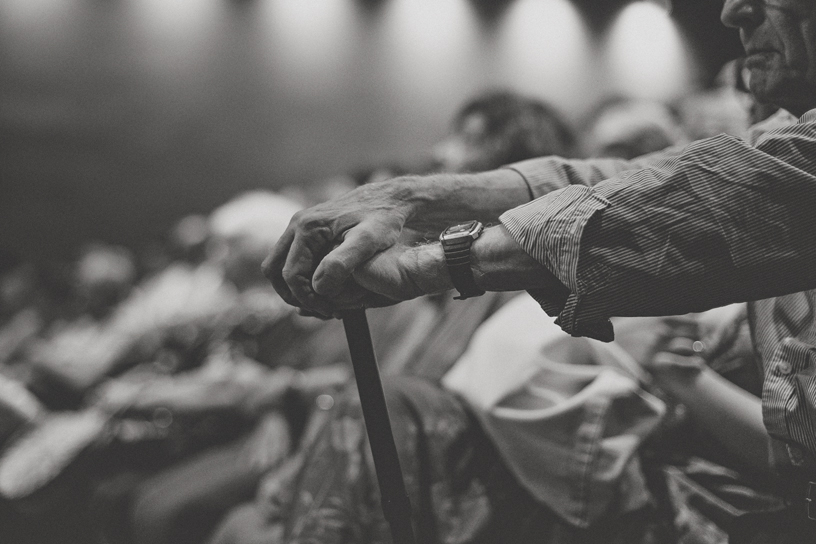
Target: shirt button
785,368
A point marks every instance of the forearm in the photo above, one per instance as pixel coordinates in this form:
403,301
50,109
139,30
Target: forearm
731,415
441,199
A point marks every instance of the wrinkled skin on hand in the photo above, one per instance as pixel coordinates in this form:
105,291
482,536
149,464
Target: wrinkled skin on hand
399,273
312,263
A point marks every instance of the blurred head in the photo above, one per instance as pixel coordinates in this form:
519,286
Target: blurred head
103,276
188,238
716,111
726,108
499,128
630,128
779,37
18,287
243,232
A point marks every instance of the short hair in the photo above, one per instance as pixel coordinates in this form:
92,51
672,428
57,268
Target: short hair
519,127
627,128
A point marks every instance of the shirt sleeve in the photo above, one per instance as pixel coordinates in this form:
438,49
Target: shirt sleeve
721,221
547,174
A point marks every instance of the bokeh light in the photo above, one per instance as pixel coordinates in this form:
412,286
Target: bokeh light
311,39
426,43
172,37
35,15
646,54
546,48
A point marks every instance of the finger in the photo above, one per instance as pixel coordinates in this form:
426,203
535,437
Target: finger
681,346
350,296
355,296
307,313
359,244
670,329
668,360
304,254
272,267
386,274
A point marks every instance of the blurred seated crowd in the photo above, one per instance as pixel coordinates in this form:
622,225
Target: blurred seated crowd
174,397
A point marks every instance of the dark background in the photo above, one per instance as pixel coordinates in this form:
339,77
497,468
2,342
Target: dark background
117,117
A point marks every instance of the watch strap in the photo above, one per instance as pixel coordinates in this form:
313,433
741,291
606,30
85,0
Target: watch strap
457,257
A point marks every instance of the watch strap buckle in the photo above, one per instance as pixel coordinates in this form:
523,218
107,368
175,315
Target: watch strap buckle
810,499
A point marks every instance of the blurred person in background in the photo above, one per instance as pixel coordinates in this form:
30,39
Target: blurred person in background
188,239
629,128
103,277
500,127
727,108
22,309
242,230
143,377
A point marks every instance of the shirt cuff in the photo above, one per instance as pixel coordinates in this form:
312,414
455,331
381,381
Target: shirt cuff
549,229
599,329
541,178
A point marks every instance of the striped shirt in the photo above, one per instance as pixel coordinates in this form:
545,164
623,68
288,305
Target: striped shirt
722,220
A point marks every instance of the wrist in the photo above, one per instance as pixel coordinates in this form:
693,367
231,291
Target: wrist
500,264
402,194
427,268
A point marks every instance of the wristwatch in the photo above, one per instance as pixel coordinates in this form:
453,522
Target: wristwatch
456,242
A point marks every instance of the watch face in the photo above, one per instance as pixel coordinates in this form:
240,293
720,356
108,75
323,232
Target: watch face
464,230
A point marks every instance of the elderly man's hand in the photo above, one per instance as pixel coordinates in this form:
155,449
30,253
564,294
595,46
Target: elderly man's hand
312,262
404,272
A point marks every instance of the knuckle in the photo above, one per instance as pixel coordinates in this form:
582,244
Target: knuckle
366,236
288,276
313,222
299,216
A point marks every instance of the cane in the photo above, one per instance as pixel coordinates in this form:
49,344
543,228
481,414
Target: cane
395,503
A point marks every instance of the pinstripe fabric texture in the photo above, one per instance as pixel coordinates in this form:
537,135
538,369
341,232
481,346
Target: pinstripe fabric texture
723,220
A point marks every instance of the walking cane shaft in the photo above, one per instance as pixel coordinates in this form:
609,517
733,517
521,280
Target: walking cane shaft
395,503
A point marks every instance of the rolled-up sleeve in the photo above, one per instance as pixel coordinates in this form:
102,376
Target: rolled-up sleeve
722,221
548,174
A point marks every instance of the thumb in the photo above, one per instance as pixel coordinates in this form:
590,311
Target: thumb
357,247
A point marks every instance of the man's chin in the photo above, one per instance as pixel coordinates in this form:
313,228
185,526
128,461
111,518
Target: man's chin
760,61
766,88
792,96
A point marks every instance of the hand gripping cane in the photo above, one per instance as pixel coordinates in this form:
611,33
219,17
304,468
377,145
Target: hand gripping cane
395,503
